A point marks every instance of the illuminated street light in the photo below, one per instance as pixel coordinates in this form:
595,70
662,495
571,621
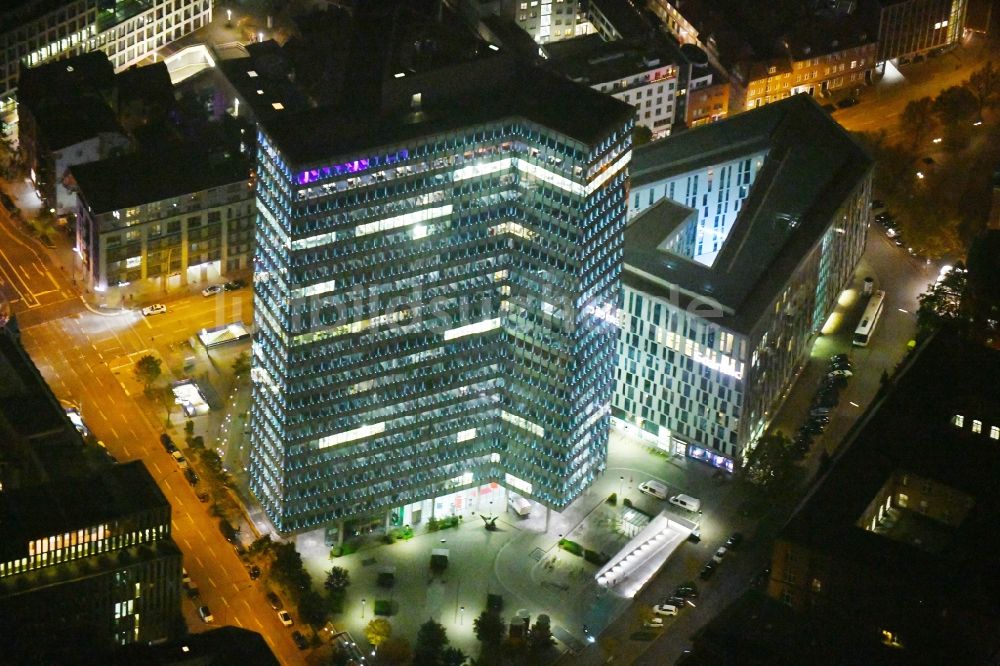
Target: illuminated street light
363,602
260,36
937,140
920,175
229,15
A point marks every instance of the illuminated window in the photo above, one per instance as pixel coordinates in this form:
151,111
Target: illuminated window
977,426
817,585
994,432
958,421
891,639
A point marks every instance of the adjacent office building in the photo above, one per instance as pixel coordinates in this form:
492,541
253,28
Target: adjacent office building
909,27
87,564
742,234
435,291
33,32
86,558
149,223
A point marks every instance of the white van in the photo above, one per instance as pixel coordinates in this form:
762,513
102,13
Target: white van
654,488
686,502
521,506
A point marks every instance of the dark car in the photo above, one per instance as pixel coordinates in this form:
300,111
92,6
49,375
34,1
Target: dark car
167,443
898,241
884,218
191,476
878,203
8,203
234,285
707,571
673,601
275,601
254,572
202,497
686,591
734,541
847,101
300,640
813,427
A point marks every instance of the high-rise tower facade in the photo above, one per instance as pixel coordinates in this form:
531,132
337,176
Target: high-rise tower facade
435,295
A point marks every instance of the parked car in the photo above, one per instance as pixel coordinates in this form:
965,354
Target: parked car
813,427
212,290
707,570
150,310
167,443
653,623
734,540
891,232
840,372
285,618
674,601
192,590
719,555
275,601
877,204
191,476
254,572
234,285
300,640
687,591
847,102
205,615
179,459
665,610
898,241
185,578
202,497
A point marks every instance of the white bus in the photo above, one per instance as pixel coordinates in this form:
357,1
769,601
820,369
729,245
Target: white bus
869,319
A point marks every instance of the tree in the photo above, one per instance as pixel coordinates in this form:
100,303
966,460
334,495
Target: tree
394,652
287,568
147,370
241,365
641,135
917,119
44,225
490,630
984,84
452,656
261,545
337,579
955,105
432,639
771,467
540,636
312,607
378,631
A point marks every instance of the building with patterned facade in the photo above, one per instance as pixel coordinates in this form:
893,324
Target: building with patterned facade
735,254
33,32
434,294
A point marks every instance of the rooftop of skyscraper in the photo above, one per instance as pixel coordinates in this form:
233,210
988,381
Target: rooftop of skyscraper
812,166
410,72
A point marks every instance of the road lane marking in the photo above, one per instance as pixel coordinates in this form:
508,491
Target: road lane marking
211,582
223,599
198,560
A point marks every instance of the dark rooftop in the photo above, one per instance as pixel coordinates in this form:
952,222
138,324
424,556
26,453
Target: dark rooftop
624,16
462,96
591,60
43,510
225,646
27,405
150,83
136,179
812,165
911,431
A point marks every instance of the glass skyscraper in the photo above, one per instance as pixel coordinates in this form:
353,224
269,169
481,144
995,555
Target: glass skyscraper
435,295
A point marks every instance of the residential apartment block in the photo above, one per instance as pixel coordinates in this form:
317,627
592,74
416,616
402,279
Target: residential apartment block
435,288
647,78
152,223
734,257
33,32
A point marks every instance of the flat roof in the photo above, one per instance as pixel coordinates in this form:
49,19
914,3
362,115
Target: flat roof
141,178
514,91
65,505
812,166
591,60
911,431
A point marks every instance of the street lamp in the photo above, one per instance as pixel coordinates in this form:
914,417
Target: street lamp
621,484
260,36
229,15
461,614
363,602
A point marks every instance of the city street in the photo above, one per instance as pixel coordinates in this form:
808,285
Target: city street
882,103
76,355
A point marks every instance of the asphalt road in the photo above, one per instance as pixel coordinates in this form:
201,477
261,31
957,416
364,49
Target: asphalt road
76,355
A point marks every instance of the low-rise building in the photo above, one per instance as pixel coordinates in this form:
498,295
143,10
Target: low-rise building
34,32
734,257
647,78
151,223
